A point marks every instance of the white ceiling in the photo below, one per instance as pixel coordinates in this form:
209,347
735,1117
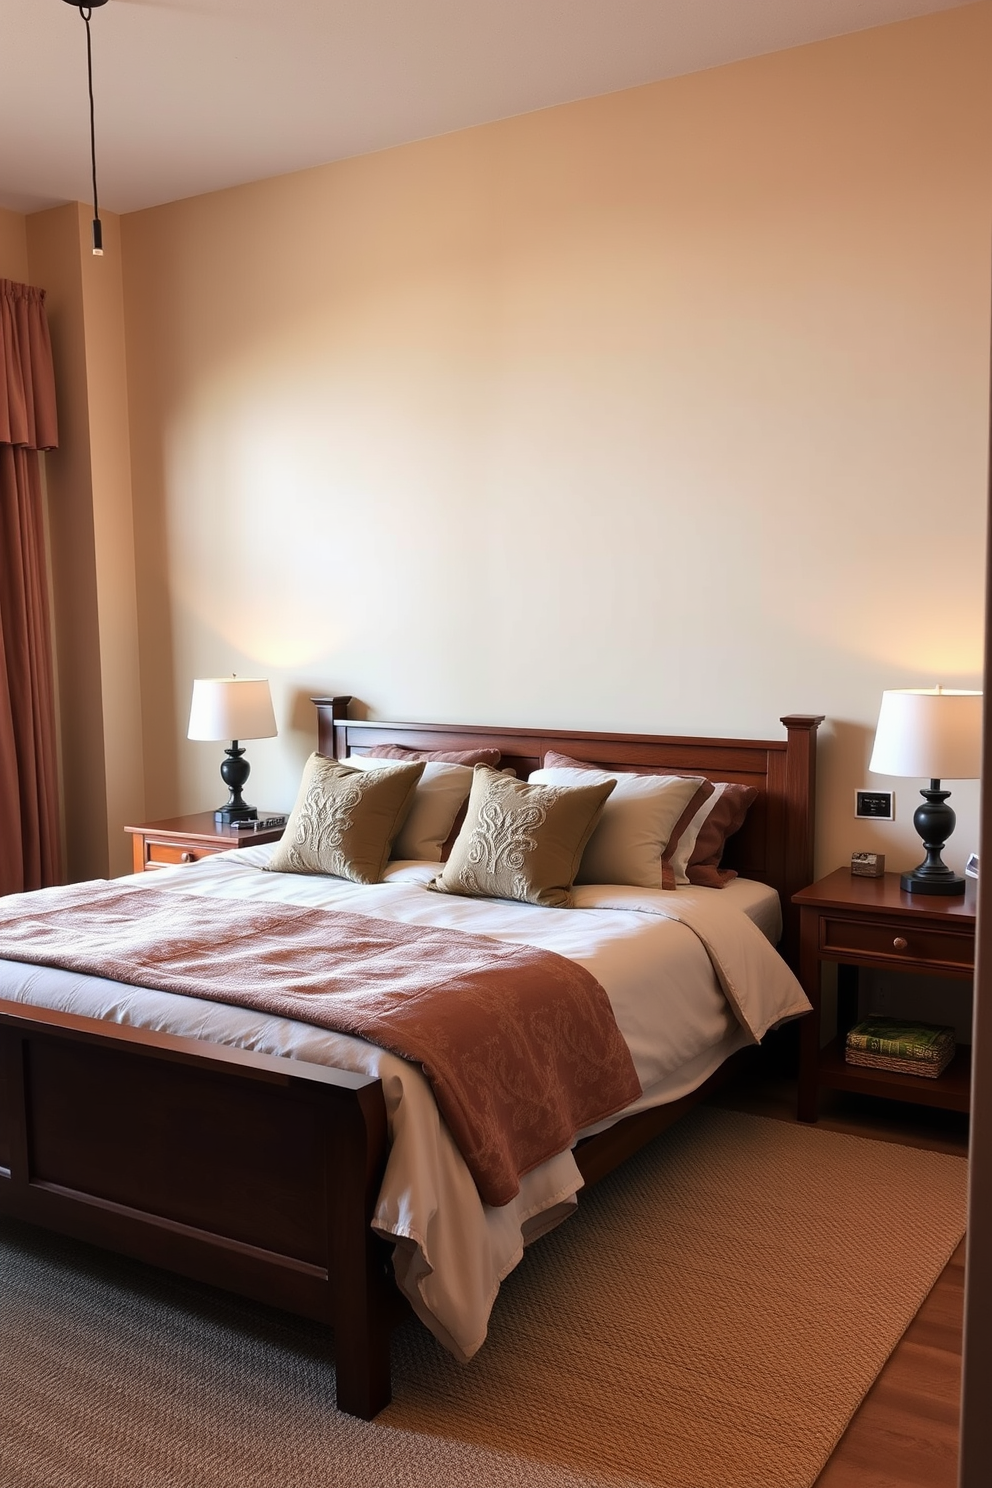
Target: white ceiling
193,95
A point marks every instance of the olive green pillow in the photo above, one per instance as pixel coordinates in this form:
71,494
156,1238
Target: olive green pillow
521,841
345,819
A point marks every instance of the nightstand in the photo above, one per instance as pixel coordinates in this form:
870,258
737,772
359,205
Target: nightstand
859,922
187,839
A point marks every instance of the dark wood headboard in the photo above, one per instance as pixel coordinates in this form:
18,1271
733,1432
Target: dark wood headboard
775,844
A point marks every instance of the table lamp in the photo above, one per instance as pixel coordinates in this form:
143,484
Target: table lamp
232,708
933,733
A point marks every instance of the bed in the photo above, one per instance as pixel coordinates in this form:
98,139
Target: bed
272,1175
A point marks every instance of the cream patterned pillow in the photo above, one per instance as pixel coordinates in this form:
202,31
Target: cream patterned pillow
345,820
521,841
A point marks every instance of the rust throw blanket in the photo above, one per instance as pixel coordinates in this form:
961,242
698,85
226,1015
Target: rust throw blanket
520,1045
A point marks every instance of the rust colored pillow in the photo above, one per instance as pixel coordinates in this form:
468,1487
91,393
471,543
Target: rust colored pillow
553,761
443,756
726,817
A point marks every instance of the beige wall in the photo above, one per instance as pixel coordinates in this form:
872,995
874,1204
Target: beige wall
664,411
13,247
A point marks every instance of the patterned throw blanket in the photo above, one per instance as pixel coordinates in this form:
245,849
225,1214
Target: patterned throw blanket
520,1045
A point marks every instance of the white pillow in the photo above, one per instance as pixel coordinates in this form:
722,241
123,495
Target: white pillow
442,791
635,825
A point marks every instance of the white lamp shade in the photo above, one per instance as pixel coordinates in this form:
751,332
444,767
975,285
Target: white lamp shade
231,708
929,733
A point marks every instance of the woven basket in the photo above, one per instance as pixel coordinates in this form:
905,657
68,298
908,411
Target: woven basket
929,1069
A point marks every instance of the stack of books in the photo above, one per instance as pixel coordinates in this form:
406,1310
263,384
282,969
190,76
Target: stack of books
911,1048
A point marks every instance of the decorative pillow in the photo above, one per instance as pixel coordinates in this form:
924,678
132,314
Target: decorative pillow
726,815
445,756
522,841
692,854
441,793
345,820
635,826
675,858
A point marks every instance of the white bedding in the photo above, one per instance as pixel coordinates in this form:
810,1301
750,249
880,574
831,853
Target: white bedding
452,1251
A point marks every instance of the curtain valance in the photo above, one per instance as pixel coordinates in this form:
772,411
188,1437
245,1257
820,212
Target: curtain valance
27,379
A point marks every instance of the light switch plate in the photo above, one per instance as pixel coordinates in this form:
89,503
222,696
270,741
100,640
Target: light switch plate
876,804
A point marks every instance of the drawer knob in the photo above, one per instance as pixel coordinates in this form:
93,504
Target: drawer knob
900,942
187,857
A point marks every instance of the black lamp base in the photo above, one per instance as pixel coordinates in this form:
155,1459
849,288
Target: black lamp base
228,814
919,882
934,820
234,772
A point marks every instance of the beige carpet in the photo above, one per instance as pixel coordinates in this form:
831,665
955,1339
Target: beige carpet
711,1318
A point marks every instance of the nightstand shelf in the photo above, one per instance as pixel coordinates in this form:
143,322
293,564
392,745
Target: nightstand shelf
871,922
951,1091
187,839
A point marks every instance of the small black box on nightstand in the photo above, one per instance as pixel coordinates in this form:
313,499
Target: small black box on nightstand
868,865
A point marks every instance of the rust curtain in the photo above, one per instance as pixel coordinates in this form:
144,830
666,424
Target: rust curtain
30,855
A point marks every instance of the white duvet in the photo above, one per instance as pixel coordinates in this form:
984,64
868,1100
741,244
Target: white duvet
691,976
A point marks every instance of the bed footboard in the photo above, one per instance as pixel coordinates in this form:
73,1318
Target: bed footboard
250,1172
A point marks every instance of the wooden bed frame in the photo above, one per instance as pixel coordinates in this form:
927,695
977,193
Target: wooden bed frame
260,1174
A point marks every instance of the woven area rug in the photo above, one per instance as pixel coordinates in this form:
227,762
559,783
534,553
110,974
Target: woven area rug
711,1318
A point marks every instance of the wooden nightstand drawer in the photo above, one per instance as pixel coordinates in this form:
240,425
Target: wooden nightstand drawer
188,839
897,940
169,854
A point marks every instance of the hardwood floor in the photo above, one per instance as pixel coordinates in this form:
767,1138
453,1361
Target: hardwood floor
905,1435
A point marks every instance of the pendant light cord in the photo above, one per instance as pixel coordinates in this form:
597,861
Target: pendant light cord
86,11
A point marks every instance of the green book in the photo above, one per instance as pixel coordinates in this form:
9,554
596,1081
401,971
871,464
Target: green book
901,1040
